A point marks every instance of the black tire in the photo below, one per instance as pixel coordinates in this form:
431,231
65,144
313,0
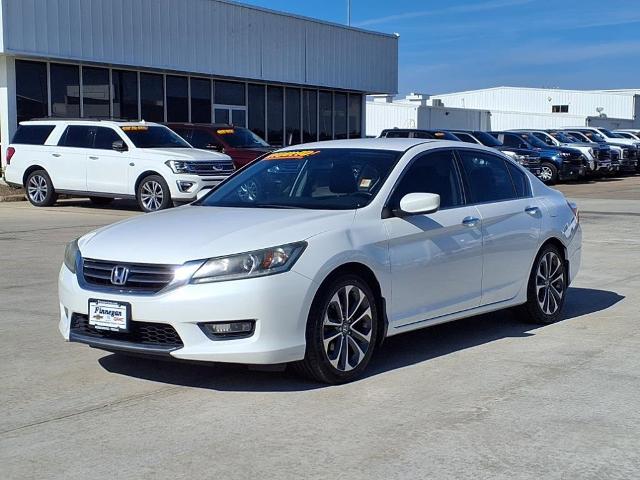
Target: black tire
551,288
550,172
359,324
101,201
39,188
153,194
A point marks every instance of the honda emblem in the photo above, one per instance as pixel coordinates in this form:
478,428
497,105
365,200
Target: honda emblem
119,275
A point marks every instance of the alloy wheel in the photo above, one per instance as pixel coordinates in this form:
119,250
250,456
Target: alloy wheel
152,195
546,174
550,283
37,188
347,328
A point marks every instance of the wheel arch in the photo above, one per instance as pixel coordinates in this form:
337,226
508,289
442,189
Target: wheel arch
30,170
369,276
556,242
142,176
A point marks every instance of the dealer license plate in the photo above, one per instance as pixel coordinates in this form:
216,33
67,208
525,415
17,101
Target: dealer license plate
109,315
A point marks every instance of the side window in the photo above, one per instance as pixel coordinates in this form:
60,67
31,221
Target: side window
465,137
520,181
204,140
422,135
105,138
77,136
487,176
543,137
394,134
433,172
32,134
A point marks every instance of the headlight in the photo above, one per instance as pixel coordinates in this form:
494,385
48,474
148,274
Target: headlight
565,154
251,264
177,166
71,254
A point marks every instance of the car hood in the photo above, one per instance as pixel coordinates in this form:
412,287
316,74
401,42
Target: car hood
193,154
194,232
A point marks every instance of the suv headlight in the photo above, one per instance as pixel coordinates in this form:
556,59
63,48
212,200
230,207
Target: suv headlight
178,166
249,265
71,254
565,154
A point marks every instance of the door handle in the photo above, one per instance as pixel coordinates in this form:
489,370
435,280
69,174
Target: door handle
533,211
470,221
56,155
94,158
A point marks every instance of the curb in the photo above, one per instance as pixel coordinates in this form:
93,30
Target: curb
12,198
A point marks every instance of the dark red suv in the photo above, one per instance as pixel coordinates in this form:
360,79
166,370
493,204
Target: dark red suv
240,143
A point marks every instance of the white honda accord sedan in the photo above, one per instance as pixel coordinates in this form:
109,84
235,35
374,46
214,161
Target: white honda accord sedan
316,253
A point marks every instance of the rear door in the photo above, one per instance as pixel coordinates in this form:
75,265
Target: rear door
68,169
107,169
511,222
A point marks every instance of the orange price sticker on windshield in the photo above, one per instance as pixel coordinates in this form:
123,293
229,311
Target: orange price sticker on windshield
292,155
225,131
134,128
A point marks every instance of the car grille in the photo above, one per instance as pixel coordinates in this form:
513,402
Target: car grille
604,154
142,278
208,169
143,333
626,153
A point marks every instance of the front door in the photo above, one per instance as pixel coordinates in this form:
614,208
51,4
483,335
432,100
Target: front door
511,222
107,169
435,259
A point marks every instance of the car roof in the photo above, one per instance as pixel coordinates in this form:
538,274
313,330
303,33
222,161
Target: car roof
393,144
87,121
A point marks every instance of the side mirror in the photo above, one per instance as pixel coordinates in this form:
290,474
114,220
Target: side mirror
419,203
119,146
202,193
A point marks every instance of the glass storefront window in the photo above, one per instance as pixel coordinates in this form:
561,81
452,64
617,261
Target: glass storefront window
229,93
31,90
340,120
355,115
326,115
309,116
177,99
125,94
275,116
65,90
95,93
200,100
152,97
256,107
292,116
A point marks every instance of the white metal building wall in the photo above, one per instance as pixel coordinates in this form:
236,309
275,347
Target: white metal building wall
212,37
534,100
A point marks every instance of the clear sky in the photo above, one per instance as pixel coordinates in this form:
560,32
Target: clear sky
452,45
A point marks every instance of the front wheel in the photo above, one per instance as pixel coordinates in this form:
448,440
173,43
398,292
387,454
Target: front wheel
40,191
341,331
548,173
547,287
153,194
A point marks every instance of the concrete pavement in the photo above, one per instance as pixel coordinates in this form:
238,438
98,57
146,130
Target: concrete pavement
487,397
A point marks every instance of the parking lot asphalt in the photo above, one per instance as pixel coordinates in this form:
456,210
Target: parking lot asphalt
485,397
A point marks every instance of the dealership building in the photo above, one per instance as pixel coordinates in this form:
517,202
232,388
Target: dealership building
290,79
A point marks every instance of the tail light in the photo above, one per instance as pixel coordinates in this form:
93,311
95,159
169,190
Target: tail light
575,210
10,152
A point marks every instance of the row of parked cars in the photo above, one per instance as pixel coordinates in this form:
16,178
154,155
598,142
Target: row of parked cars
553,155
158,165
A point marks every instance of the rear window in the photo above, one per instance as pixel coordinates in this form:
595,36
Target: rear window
32,134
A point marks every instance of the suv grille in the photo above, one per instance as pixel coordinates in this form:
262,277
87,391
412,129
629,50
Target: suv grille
604,154
208,169
142,278
143,333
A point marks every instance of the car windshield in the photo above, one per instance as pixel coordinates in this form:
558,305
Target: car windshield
320,179
608,133
153,136
563,137
238,137
594,136
533,140
487,140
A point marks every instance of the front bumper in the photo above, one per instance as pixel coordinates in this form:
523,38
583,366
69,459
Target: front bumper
571,170
181,195
279,305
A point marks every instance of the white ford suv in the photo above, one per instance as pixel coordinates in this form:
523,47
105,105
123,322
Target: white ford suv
108,159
